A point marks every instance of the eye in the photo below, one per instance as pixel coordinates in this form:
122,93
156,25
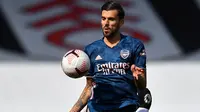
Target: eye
103,18
112,19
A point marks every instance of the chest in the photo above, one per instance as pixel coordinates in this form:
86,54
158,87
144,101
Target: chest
116,54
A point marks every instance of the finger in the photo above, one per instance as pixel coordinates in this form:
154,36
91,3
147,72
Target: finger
136,77
139,69
133,67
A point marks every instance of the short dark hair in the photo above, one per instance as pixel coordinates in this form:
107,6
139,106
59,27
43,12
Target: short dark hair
112,5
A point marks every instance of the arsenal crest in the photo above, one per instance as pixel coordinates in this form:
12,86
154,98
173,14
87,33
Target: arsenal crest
124,53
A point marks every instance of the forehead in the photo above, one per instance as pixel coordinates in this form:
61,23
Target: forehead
109,13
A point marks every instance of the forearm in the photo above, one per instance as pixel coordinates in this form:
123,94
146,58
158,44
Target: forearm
141,81
82,101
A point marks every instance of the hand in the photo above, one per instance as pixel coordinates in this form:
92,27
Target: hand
136,71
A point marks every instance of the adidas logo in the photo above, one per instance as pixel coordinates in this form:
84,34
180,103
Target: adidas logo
98,57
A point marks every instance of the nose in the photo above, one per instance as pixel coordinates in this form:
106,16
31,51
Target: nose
107,23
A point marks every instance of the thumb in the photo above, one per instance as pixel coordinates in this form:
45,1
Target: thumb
133,67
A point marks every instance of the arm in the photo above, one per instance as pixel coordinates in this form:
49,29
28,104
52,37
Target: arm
139,66
85,95
140,76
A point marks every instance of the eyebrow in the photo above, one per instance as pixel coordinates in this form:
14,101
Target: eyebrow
108,17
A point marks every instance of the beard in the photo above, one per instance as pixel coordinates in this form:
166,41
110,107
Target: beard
110,33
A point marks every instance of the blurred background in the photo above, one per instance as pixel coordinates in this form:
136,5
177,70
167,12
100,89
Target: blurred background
37,33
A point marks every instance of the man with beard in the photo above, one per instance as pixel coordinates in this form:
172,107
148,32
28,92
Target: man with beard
118,67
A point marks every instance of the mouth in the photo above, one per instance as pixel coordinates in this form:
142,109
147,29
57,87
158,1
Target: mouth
106,29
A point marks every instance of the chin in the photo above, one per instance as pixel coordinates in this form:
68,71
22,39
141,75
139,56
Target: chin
106,35
109,35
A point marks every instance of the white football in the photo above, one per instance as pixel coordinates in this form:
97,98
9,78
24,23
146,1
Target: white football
75,63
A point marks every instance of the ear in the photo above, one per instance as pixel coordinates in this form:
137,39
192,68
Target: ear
121,22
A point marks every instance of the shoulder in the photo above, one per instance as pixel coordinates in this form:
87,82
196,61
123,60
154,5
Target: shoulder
92,46
132,40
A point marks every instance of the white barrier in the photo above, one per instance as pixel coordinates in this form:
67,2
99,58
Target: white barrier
42,87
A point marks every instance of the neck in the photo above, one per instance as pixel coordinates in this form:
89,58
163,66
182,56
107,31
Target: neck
113,40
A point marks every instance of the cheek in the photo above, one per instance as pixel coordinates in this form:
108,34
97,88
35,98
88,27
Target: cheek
114,25
103,23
